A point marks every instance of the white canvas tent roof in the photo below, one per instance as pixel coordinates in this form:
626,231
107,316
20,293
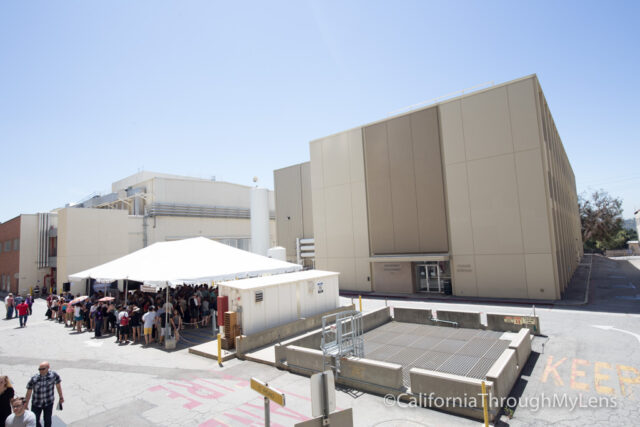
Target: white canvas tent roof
195,260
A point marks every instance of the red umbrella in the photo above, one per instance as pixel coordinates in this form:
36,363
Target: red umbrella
78,299
106,299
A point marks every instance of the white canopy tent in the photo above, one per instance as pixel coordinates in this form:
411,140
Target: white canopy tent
195,260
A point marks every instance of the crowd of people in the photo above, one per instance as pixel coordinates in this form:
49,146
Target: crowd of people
137,316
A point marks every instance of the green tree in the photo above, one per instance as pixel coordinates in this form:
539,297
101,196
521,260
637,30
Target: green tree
601,218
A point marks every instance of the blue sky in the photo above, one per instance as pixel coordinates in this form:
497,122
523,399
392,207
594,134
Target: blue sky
93,91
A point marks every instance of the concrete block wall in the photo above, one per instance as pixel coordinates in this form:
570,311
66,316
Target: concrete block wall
376,318
371,375
503,374
521,344
458,392
465,319
412,315
306,361
513,323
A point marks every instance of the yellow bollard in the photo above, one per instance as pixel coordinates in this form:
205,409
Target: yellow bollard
360,300
219,350
484,405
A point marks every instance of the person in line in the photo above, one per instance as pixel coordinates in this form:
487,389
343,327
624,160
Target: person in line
6,395
77,317
8,304
134,324
98,318
69,316
148,320
206,312
176,324
161,324
123,322
21,417
23,312
29,301
42,386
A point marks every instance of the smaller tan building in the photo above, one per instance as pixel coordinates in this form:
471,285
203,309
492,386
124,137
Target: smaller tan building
473,195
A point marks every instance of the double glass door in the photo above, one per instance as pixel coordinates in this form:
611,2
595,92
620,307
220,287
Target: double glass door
429,277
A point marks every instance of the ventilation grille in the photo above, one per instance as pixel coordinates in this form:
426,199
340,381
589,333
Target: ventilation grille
259,296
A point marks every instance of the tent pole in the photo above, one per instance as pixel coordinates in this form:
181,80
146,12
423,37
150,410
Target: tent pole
126,291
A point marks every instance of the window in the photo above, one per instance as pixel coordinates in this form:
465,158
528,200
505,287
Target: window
16,244
7,246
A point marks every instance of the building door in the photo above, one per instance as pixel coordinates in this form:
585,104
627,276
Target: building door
429,277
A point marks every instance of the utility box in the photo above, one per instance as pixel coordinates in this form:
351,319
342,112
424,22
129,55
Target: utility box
265,302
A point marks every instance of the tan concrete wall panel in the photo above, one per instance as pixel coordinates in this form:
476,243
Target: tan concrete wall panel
359,212
307,210
540,278
486,124
288,207
524,121
395,277
501,276
463,270
452,132
339,215
459,210
335,156
378,189
494,206
533,202
403,186
316,165
430,199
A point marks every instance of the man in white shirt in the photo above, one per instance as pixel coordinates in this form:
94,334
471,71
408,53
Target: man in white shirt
148,319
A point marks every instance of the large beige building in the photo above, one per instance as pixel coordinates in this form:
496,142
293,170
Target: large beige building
473,195
140,210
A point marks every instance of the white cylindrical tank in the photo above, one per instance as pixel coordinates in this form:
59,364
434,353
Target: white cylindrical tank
260,221
277,252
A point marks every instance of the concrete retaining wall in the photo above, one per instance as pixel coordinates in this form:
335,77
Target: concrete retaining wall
376,318
412,315
521,344
303,360
371,375
458,393
513,323
246,343
465,319
503,373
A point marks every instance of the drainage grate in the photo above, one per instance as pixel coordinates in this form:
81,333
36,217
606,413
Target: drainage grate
426,343
449,345
385,352
459,364
481,368
405,340
476,346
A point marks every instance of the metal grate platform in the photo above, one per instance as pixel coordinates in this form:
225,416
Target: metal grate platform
466,352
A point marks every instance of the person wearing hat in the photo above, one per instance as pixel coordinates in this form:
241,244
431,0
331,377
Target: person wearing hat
9,303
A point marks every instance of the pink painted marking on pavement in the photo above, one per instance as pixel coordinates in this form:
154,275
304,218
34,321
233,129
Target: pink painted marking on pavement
215,384
213,423
175,395
195,389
